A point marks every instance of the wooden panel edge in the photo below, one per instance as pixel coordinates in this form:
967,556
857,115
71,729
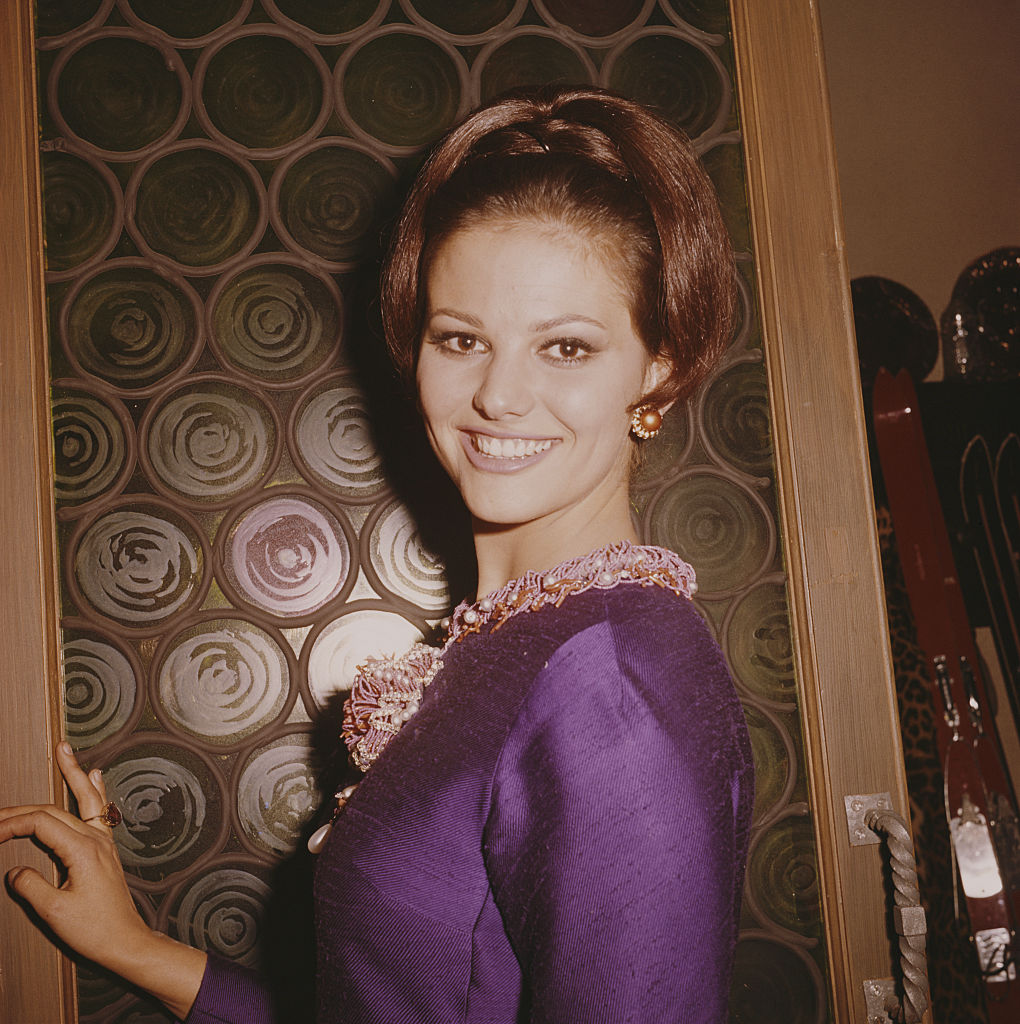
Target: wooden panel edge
38,983
832,558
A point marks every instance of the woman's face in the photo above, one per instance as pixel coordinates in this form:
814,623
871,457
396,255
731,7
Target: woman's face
528,365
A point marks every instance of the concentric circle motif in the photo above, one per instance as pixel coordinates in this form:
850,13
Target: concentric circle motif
759,647
89,447
221,912
222,680
119,93
327,22
401,88
531,58
784,876
333,441
187,20
328,201
718,526
403,563
263,91
277,795
139,567
100,690
346,642
673,77
288,556
170,808
132,326
198,207
735,418
276,322
711,16
775,984
211,441
81,214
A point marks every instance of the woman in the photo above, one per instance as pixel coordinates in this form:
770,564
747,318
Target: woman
553,823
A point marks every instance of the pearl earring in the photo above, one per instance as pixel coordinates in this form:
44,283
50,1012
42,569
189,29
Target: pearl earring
645,422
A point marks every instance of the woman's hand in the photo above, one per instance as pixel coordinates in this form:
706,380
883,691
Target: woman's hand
92,911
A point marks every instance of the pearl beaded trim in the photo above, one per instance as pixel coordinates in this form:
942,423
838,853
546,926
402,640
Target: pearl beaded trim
387,692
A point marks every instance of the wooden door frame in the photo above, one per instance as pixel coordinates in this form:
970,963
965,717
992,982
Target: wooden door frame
36,982
830,545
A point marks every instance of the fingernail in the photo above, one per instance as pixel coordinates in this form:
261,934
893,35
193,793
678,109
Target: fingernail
12,875
95,775
65,747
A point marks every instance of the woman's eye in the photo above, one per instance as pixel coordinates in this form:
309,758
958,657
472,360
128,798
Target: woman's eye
458,344
568,350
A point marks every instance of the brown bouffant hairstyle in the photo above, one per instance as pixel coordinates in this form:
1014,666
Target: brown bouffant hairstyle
597,163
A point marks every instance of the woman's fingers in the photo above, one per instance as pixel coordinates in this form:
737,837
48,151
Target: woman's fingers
96,777
90,798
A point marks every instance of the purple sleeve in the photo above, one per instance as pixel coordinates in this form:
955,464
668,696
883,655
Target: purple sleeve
230,994
618,831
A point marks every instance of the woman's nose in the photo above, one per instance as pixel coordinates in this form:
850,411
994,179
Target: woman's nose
505,389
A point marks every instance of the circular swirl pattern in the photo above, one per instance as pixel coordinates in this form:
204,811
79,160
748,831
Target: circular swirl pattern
772,759
263,91
100,690
329,200
403,564
89,447
79,211
717,526
131,326
276,322
288,556
221,913
674,77
119,94
277,795
333,441
170,807
531,59
188,19
401,88
735,418
346,642
222,680
759,647
774,984
330,21
784,876
197,207
594,18
139,567
210,441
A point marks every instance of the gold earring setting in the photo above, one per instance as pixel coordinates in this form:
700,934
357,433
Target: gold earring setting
645,422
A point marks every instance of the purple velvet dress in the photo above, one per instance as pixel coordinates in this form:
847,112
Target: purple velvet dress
558,835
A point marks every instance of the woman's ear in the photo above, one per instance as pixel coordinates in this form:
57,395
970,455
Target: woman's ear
657,372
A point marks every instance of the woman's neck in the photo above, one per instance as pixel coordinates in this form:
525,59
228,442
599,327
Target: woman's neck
507,552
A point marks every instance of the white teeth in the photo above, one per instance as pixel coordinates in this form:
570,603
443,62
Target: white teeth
508,447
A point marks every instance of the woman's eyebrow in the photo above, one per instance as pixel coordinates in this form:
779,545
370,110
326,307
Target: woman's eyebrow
456,315
566,318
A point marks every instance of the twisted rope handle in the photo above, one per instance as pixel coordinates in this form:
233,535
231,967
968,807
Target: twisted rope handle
908,914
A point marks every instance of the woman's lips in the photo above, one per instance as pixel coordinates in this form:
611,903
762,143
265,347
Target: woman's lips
504,454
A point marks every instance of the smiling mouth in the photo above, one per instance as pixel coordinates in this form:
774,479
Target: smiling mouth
508,447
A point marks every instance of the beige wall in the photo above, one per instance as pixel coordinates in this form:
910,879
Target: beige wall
924,108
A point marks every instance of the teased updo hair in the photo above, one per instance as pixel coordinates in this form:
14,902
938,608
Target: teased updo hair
600,164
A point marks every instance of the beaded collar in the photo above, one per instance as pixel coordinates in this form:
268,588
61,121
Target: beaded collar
388,691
